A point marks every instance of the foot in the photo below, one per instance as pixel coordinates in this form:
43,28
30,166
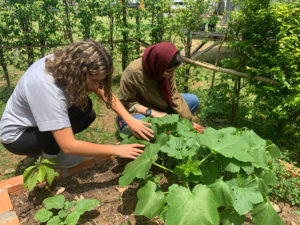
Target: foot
64,161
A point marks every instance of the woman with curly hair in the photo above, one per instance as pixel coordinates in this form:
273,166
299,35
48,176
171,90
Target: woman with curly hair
50,103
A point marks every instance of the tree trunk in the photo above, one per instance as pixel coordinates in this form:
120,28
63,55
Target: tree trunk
111,33
169,19
4,67
160,20
187,54
125,37
216,64
28,41
152,25
138,31
235,101
67,22
42,41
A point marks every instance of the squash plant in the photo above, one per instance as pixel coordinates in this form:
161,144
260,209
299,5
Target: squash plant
221,175
66,212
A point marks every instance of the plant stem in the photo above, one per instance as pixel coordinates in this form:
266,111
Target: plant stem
205,158
187,185
165,168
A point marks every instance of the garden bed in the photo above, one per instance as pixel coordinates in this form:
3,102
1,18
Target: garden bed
117,204
100,182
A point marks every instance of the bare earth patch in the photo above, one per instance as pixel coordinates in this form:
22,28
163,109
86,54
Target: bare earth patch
101,182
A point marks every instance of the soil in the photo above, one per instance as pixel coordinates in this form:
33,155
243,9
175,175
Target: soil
101,182
117,204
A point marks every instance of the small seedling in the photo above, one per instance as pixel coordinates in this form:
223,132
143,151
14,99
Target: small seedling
67,212
40,171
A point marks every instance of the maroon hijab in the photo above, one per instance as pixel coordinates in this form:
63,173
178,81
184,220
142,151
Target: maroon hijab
156,59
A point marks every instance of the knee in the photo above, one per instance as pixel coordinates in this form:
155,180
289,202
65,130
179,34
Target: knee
194,101
92,116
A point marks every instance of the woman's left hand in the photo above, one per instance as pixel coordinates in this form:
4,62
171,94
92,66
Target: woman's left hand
198,127
140,128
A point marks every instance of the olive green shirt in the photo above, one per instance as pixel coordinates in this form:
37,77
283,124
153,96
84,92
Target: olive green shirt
138,88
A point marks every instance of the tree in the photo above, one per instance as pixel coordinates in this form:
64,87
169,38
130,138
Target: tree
266,37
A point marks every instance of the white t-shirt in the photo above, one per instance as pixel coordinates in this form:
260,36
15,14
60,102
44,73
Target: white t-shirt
36,102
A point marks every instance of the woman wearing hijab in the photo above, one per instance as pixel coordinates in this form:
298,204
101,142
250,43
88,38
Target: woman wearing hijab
148,86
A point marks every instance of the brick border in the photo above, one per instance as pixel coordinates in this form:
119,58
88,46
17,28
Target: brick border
14,185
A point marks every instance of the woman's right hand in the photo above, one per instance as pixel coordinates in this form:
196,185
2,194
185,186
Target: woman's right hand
130,151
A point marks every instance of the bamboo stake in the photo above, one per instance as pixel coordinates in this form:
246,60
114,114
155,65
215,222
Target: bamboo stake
198,48
229,71
206,50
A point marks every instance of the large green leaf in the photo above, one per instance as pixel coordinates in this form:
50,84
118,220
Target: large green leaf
264,214
210,173
162,139
186,208
232,165
165,124
226,143
55,202
265,178
229,217
185,128
166,120
224,195
273,150
139,168
43,215
245,196
180,147
256,146
84,205
150,201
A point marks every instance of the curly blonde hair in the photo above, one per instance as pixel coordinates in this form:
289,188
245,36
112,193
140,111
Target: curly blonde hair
72,66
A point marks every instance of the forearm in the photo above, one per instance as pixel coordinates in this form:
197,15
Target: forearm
116,104
154,113
139,128
120,110
83,148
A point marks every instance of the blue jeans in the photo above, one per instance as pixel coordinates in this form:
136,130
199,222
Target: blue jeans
191,100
